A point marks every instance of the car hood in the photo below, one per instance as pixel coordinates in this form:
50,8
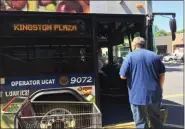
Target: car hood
169,56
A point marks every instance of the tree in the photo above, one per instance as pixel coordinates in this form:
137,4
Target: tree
159,32
180,31
156,28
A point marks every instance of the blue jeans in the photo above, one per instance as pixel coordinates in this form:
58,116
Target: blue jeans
145,115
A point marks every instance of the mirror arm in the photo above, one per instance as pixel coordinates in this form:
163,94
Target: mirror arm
172,14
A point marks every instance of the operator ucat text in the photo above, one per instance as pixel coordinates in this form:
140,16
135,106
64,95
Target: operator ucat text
33,82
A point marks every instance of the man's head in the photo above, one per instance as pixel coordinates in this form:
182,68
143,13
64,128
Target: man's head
138,43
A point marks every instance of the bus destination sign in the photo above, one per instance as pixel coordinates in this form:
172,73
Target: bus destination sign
45,27
20,27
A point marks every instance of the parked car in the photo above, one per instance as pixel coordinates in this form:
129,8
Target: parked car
170,57
180,58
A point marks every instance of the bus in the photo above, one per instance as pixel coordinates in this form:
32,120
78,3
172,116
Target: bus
49,51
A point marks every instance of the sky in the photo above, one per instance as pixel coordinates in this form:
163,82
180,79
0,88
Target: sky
168,6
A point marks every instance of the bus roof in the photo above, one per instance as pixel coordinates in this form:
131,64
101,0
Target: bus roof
18,13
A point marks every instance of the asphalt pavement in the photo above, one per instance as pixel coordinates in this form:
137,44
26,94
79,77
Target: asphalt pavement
173,95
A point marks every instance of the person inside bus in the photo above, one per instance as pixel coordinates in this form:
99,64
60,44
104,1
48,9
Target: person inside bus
102,75
101,61
145,74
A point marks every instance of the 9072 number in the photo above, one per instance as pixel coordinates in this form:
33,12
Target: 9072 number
79,80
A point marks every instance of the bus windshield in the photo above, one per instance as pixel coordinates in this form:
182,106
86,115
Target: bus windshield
35,57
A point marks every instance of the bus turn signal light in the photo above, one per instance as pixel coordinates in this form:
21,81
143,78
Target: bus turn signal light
139,6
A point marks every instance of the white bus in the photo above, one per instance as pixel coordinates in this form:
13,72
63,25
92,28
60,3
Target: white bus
49,52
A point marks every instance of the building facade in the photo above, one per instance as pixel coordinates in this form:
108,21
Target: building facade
163,44
178,44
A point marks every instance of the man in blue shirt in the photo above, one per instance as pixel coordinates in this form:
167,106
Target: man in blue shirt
145,75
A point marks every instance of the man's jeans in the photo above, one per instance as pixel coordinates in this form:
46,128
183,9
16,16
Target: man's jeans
146,115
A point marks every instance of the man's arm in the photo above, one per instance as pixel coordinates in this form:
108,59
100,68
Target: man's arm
162,79
124,71
162,74
122,77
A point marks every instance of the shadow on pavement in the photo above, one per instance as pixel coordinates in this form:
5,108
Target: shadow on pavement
172,64
175,113
174,69
115,110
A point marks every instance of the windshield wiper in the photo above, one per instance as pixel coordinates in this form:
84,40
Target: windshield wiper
14,58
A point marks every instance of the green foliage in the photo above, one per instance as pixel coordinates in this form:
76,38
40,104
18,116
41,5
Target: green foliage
159,32
180,31
156,28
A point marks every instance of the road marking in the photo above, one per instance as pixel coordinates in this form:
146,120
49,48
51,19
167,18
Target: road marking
173,105
121,124
126,124
173,96
174,126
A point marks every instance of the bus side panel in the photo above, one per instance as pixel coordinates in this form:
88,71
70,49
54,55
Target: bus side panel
82,6
121,7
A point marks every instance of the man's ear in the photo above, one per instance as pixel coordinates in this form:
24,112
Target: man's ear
133,47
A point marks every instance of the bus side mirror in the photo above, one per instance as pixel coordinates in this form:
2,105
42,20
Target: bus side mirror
173,27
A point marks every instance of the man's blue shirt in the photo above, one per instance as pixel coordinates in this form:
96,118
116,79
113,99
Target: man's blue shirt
142,69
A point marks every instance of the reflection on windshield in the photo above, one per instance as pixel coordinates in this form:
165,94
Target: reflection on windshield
41,60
